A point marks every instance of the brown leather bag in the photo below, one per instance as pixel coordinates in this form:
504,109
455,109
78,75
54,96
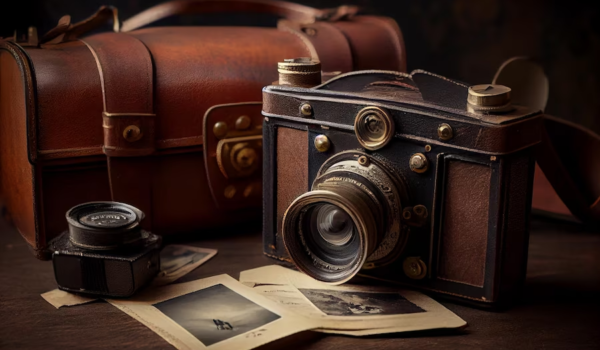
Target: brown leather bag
166,118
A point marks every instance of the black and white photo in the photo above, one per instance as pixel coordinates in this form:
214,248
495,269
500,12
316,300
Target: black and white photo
351,303
216,313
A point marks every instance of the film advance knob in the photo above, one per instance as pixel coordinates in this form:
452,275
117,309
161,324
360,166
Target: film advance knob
489,98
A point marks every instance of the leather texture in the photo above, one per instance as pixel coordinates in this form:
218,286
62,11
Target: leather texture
122,116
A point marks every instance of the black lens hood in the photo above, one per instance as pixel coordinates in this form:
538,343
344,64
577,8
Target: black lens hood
104,225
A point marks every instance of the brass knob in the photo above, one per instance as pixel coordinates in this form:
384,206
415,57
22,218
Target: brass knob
418,163
445,132
414,268
322,143
303,72
220,129
488,98
246,157
243,122
132,133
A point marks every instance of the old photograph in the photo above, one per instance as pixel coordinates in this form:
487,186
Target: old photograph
350,303
177,261
216,313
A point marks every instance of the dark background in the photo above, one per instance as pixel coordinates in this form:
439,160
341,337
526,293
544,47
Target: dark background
461,39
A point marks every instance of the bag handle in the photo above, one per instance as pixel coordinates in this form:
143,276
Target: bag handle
284,9
65,31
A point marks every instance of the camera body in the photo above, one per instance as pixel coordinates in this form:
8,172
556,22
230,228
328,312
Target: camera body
105,252
408,178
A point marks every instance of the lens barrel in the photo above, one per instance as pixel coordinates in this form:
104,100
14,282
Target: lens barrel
349,221
104,225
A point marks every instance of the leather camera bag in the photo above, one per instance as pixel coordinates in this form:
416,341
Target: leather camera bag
158,117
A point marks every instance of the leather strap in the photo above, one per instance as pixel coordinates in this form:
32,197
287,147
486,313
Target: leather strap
568,156
65,31
288,10
128,119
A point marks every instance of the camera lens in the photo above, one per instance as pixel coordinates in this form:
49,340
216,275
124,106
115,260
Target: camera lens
350,218
104,225
332,224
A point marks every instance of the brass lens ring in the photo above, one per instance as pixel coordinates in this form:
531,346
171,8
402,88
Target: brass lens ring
374,128
369,196
296,239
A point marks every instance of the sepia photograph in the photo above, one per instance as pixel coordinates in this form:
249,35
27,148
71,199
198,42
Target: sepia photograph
350,303
216,313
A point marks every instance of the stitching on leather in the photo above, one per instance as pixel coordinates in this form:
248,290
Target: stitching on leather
100,72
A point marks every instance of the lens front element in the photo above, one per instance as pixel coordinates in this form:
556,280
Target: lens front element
348,221
332,224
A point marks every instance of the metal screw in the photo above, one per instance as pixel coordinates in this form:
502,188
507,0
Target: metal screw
243,122
445,132
306,110
364,161
132,133
418,163
229,192
406,214
414,268
322,143
427,148
220,129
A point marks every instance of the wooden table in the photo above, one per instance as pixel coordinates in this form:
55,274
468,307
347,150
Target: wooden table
560,307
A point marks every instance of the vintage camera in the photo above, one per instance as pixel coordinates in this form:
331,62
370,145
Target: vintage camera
105,252
410,178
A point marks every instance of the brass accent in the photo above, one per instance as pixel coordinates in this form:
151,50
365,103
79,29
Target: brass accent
118,115
243,157
302,72
243,122
229,192
132,133
421,211
309,31
306,110
363,160
240,156
248,191
427,148
32,37
445,132
322,143
415,216
220,129
489,98
418,163
493,158
414,268
374,128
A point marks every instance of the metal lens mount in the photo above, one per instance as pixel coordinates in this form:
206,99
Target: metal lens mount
374,128
316,230
318,257
104,225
